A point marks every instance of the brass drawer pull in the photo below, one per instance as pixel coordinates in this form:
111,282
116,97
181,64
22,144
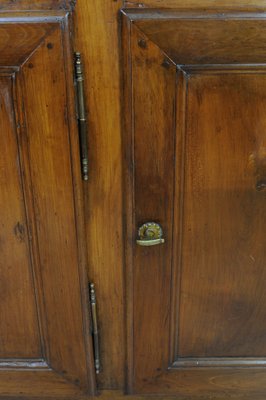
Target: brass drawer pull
150,234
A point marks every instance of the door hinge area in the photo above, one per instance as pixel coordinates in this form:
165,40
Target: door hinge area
81,116
94,327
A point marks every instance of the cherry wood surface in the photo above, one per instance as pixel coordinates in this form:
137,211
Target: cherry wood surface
116,395
97,37
46,347
194,146
223,217
105,145
191,4
19,325
25,5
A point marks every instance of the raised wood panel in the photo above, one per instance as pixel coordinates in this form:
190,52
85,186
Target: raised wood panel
45,209
19,331
223,254
194,150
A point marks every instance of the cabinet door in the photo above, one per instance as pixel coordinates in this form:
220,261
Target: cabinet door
45,345
195,163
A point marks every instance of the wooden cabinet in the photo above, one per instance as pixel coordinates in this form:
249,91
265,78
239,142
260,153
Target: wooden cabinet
45,341
194,146
182,87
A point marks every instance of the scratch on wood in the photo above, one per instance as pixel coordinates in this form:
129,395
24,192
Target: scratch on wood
19,231
132,4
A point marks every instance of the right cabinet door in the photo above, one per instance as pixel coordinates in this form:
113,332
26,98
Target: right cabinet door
195,164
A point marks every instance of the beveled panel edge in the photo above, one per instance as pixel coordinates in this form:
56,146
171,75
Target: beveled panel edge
131,26
216,69
192,4
141,14
127,185
128,182
32,16
8,71
65,28
36,20
139,17
223,362
178,212
33,363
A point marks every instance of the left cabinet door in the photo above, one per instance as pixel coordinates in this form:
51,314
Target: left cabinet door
45,342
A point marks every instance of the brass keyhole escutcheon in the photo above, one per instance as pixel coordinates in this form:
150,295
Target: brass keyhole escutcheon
150,234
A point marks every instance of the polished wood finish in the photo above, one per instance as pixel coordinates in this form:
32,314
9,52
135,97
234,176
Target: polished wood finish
99,20
97,38
203,4
19,326
194,145
224,210
33,5
212,45
116,395
154,143
46,347
25,38
245,396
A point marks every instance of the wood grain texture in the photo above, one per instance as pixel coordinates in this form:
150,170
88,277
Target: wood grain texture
36,384
223,254
19,331
25,39
116,395
97,39
127,196
43,117
212,46
193,4
78,197
25,5
217,283
220,384
153,98
52,189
